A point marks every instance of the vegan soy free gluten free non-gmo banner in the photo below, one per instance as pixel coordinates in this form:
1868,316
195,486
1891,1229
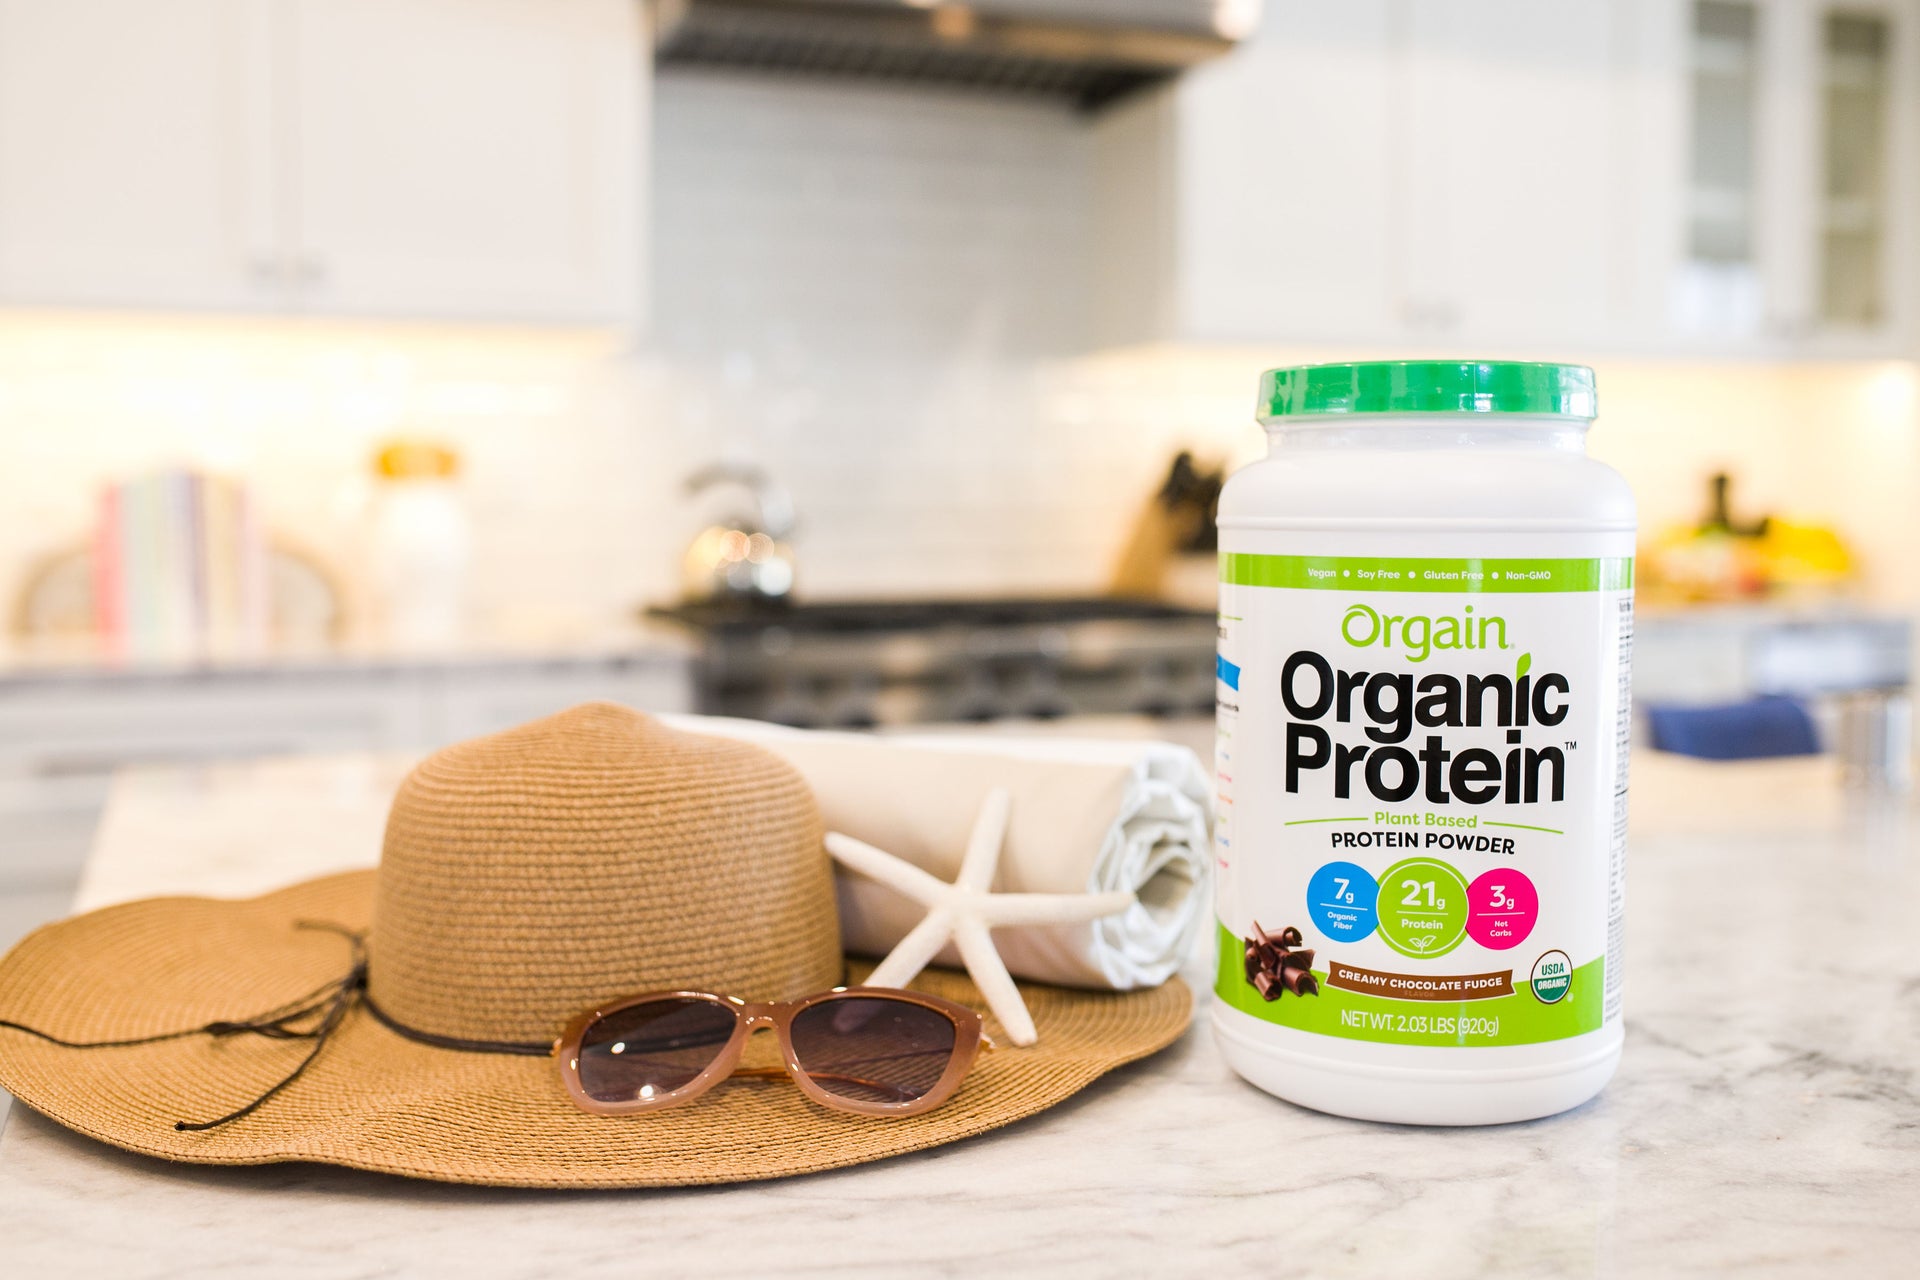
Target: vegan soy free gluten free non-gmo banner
1413,573
1421,773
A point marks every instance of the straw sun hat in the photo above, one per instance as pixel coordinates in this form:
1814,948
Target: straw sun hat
525,877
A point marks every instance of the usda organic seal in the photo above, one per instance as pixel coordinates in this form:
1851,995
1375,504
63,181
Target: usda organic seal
1552,977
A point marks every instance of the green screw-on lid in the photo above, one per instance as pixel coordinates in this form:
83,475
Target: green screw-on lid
1428,386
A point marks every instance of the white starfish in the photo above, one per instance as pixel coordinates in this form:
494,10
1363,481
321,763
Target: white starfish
967,911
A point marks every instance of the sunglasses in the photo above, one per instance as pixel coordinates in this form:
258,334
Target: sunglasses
865,1050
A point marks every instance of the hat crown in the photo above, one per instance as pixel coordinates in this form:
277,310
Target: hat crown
597,853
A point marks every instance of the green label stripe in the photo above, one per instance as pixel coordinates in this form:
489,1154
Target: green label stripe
1416,573
1356,1015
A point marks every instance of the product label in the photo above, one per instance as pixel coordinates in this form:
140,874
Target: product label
1422,788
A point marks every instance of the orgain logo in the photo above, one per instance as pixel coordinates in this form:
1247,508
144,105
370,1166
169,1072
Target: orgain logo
1417,635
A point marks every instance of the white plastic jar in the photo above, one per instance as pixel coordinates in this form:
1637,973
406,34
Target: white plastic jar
1426,616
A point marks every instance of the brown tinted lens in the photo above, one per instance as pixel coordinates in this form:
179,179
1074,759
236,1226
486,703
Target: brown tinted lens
873,1049
649,1049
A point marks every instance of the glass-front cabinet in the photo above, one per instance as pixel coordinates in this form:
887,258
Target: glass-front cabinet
1855,102
1720,288
1800,152
1700,178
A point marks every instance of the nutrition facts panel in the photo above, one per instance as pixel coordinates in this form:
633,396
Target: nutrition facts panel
1226,714
1617,855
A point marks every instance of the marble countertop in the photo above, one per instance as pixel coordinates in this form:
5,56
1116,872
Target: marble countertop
1765,1120
639,642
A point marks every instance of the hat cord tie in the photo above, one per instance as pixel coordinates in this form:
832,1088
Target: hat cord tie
329,1002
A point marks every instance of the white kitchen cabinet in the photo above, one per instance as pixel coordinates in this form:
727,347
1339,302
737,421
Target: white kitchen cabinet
1510,110
70,726
1257,197
1698,177
1795,233
458,159
1376,172
468,704
465,157
63,735
133,160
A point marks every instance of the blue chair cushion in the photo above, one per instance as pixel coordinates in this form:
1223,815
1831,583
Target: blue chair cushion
1755,730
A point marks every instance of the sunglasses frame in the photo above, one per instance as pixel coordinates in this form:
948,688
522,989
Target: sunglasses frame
778,1015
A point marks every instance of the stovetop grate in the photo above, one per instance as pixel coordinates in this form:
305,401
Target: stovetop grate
851,617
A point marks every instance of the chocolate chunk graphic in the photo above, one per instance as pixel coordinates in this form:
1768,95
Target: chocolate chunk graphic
1273,967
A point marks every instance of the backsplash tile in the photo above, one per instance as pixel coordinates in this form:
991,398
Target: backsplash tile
860,290
299,410
795,222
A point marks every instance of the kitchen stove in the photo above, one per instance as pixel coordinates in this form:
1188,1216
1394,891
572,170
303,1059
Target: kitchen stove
858,664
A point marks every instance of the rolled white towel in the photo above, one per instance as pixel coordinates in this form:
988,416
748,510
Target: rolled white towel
1088,816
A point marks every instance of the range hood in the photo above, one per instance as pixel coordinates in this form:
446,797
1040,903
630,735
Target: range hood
1088,52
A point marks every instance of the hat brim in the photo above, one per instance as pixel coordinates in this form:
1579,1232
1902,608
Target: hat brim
374,1100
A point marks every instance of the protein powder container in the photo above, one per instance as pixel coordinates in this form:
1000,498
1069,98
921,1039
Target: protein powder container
1426,615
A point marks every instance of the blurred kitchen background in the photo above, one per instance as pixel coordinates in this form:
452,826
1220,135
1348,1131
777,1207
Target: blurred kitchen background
374,373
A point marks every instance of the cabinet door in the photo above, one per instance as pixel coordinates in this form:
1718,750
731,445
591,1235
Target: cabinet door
1858,240
466,158
133,153
1796,234
1287,183
1510,127
476,701
1733,131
